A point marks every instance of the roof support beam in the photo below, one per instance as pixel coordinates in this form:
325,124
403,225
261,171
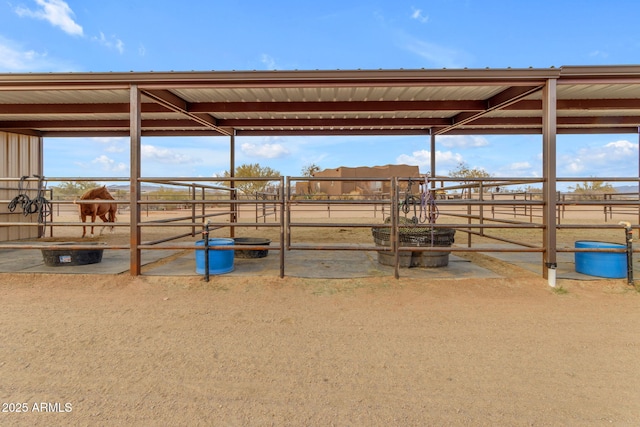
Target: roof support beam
335,106
316,107
104,108
325,132
177,104
311,107
496,102
296,123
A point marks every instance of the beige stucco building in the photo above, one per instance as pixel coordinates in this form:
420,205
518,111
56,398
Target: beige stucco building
363,187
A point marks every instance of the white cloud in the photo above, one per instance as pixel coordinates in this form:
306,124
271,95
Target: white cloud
268,61
435,54
109,164
519,166
598,54
113,144
164,155
422,159
110,139
267,151
13,59
617,158
573,167
56,12
622,148
110,42
462,141
523,168
418,16
59,14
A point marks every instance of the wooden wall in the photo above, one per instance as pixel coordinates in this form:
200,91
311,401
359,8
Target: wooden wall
20,155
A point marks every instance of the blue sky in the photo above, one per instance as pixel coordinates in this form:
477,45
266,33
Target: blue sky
161,35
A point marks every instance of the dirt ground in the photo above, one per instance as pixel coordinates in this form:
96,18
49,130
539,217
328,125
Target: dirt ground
122,350
247,351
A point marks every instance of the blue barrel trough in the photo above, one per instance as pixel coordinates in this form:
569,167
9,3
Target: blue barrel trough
612,265
220,260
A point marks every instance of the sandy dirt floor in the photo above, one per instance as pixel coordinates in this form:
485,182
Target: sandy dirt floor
258,351
122,350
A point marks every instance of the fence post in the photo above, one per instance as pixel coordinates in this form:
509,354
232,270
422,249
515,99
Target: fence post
469,222
481,208
192,194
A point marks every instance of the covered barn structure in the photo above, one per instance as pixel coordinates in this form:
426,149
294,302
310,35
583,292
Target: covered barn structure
426,103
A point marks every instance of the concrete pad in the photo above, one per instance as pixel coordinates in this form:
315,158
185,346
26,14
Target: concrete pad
532,261
114,261
329,264
325,264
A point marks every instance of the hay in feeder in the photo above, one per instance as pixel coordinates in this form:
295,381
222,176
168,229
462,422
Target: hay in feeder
414,235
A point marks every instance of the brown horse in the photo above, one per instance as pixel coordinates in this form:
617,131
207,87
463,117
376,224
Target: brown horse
104,211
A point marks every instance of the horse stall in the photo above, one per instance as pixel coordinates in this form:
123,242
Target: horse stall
427,104
343,232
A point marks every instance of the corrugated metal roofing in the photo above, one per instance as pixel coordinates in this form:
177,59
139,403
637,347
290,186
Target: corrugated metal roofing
589,99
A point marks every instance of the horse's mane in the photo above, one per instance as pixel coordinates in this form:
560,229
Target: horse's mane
97,193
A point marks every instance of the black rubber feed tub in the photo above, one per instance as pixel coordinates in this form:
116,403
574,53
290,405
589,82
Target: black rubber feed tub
66,256
251,241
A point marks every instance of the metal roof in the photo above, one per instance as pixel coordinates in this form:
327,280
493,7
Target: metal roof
600,99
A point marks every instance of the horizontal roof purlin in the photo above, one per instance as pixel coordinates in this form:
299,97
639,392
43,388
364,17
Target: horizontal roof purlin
590,99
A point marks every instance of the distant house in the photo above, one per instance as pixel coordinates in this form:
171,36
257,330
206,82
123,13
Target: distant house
335,188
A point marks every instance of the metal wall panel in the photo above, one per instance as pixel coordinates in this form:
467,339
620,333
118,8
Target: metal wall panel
21,155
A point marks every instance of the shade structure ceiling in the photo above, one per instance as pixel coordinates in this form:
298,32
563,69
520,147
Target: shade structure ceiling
589,99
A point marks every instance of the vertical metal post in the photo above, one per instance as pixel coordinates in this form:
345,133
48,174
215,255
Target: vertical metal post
628,236
203,206
469,222
394,227
135,133
192,193
282,222
493,211
433,157
42,230
549,121
481,207
205,235
232,173
288,213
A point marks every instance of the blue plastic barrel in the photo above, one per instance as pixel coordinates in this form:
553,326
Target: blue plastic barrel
220,260
602,264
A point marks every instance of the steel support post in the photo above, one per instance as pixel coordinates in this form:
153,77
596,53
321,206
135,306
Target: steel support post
549,120
135,134
283,212
433,157
232,173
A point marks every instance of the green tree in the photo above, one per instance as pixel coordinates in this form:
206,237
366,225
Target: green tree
463,171
73,188
253,170
592,190
310,169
